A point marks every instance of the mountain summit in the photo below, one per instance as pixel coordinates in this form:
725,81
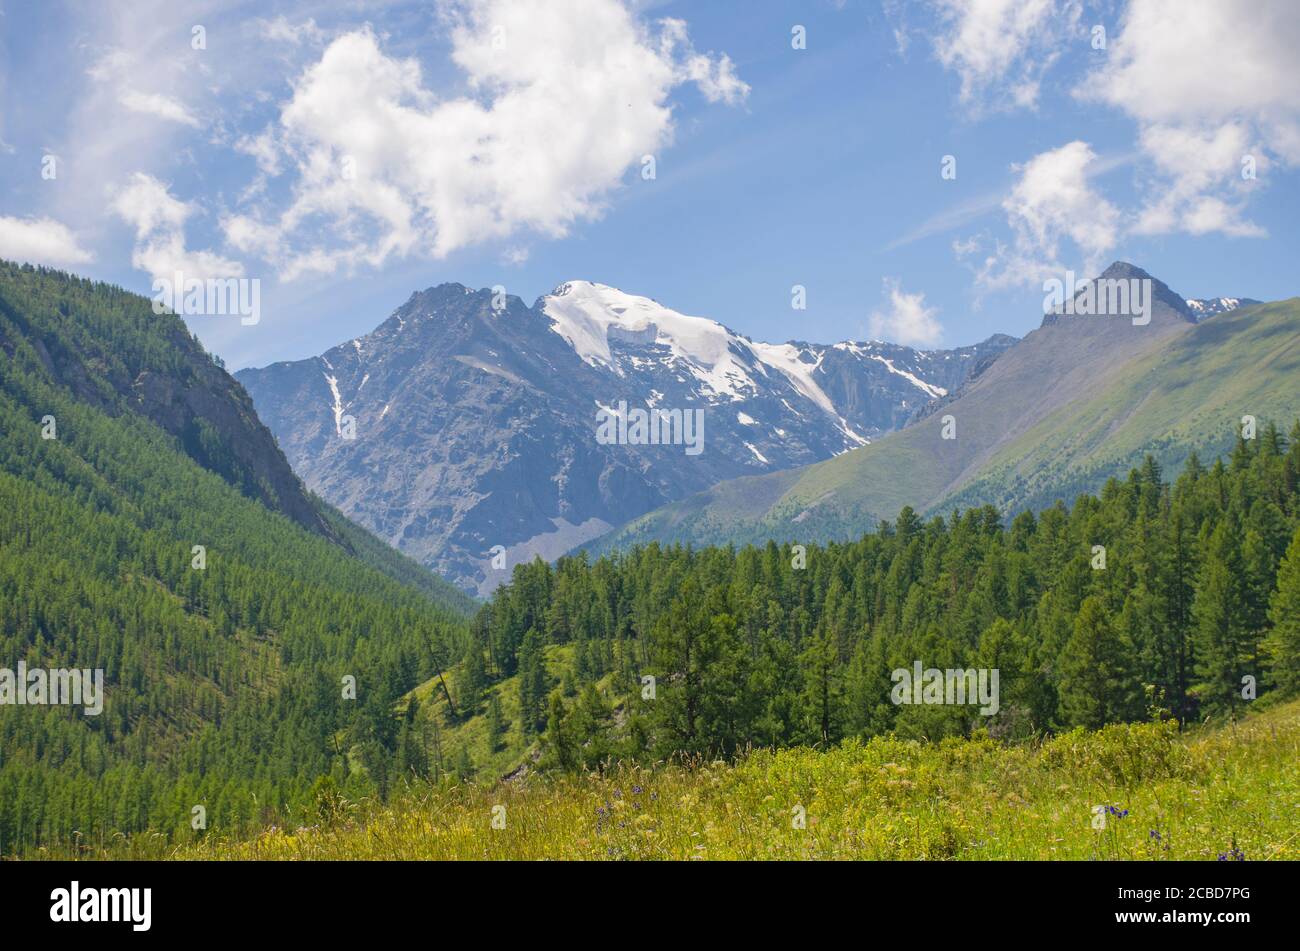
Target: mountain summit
1123,290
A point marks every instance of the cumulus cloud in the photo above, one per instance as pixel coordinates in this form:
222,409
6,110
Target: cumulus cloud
159,221
40,241
563,98
1051,203
1208,84
907,320
1002,46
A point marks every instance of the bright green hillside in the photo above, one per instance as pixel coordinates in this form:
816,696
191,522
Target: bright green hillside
1056,416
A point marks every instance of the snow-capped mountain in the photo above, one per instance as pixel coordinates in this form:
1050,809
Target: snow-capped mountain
862,389
466,429
1209,306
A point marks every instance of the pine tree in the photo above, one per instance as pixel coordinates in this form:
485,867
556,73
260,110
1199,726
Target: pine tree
464,765
533,682
495,722
821,693
559,745
1283,645
1097,686
471,679
1218,614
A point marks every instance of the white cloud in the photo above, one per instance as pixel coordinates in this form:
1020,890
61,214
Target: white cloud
282,30
565,97
716,77
1174,61
1207,83
907,320
1193,165
40,241
1002,46
1052,202
263,149
159,222
159,105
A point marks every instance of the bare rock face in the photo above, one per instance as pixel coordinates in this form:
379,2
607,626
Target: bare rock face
464,429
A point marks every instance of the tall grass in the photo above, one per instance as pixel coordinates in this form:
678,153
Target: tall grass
1164,795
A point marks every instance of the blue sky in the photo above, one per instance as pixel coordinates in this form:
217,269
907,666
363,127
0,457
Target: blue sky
502,142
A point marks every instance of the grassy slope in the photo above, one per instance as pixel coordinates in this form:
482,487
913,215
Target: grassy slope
1190,396
1186,392
1202,793
515,749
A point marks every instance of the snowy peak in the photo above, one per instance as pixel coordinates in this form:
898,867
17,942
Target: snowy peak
630,335
597,319
1209,306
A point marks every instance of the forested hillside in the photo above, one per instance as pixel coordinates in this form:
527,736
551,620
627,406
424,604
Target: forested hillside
224,672
1198,588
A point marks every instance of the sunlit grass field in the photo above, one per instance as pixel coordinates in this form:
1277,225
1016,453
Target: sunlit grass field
1225,793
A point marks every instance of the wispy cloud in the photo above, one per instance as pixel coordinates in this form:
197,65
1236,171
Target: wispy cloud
158,105
950,219
973,209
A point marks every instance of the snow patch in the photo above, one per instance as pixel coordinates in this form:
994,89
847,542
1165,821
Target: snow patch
785,358
338,403
583,313
934,391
